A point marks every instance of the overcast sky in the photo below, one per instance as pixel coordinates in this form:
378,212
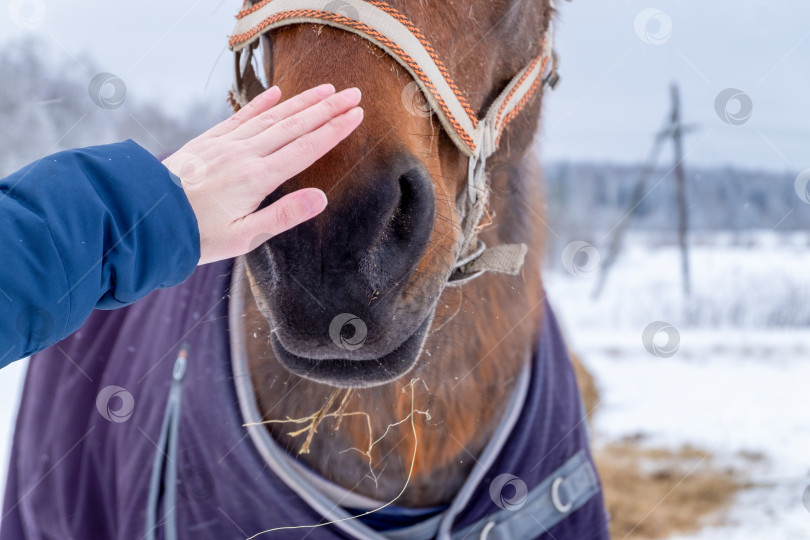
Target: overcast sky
618,59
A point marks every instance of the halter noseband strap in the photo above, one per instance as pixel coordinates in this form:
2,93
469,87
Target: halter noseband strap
477,138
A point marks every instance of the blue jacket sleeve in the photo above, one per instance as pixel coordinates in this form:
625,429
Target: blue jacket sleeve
99,227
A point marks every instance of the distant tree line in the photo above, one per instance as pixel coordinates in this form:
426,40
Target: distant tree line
46,105
589,199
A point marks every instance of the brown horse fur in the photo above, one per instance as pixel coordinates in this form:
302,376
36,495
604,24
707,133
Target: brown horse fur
483,332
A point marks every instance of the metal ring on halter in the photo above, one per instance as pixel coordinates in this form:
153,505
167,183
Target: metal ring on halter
480,247
457,276
553,77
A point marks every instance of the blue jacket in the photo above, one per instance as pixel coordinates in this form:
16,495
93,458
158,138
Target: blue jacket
99,227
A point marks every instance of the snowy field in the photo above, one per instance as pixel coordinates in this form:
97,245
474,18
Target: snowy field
735,385
11,379
732,378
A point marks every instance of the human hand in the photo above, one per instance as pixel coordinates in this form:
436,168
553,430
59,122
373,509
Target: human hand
228,171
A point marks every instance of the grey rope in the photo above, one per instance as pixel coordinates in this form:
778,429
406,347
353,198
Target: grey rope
166,460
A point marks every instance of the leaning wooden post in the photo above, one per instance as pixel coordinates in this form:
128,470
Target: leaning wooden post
680,177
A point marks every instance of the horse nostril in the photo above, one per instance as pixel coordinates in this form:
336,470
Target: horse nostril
410,226
401,225
405,232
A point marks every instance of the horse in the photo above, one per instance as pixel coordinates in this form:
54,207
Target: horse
379,375
383,248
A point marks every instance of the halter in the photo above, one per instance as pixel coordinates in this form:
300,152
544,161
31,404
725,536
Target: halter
401,39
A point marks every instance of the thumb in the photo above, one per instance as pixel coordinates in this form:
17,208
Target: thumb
284,214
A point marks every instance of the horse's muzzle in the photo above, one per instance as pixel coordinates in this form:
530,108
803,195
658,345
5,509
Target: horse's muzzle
341,291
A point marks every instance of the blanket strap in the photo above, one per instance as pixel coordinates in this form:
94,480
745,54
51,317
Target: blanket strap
166,460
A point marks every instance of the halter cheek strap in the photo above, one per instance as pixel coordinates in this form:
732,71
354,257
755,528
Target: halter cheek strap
477,138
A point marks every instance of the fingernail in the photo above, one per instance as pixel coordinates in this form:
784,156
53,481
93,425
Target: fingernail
352,92
355,113
312,201
324,90
272,90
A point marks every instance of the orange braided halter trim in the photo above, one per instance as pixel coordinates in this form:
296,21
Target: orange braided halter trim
389,29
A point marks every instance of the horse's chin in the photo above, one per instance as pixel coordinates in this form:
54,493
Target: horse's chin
345,373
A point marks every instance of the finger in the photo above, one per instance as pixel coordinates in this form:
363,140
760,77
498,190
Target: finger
306,150
264,101
284,110
284,214
305,121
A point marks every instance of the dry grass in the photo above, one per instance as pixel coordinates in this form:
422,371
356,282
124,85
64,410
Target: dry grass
654,493
587,386
657,492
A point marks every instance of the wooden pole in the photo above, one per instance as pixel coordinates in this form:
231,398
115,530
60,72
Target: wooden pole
675,130
680,178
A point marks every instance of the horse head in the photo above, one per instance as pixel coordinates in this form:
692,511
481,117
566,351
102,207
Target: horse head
351,295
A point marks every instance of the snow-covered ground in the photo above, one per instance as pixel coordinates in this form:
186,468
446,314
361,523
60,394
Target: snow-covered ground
734,380
11,379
